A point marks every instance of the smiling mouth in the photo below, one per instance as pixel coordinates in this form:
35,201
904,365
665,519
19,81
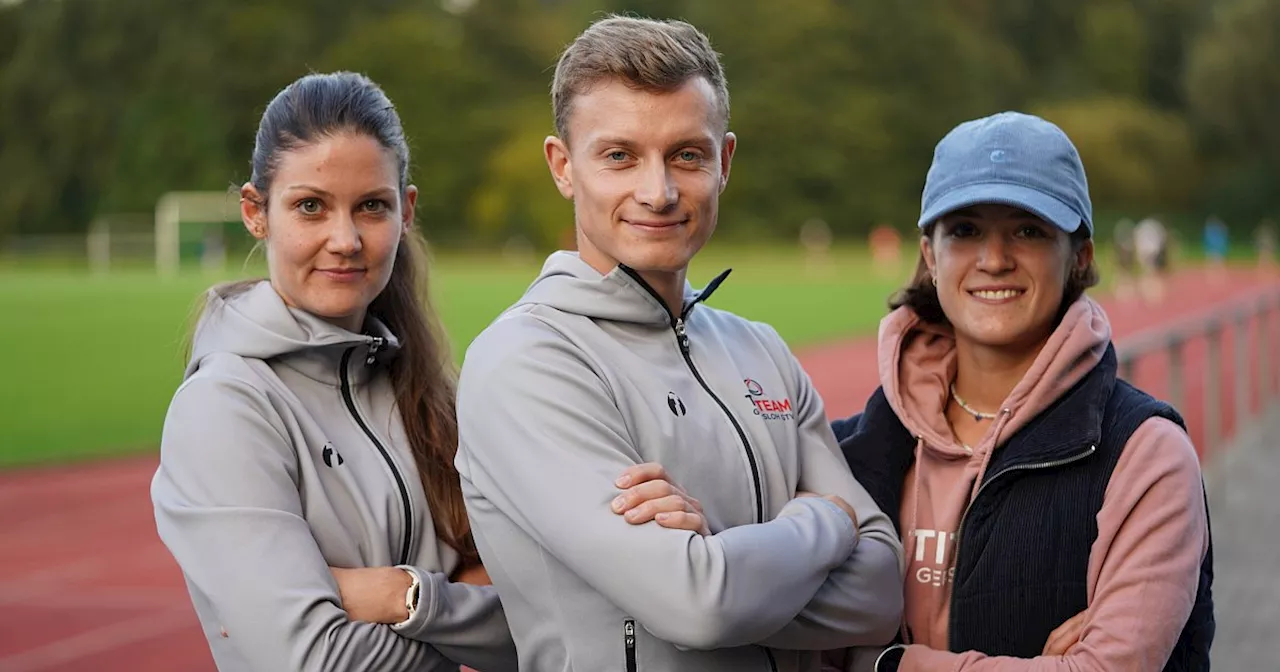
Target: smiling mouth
997,294
655,225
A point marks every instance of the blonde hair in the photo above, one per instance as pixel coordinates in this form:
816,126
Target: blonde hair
647,54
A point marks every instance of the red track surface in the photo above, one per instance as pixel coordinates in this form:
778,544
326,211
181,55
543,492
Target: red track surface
85,583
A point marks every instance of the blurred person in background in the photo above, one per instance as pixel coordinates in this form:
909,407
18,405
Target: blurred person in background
612,370
1126,260
1216,244
1151,244
886,250
1265,239
1053,516
306,483
816,240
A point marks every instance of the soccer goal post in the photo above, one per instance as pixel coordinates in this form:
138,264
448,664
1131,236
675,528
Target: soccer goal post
127,236
188,207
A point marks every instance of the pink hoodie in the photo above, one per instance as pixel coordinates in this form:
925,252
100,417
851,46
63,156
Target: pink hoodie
1152,530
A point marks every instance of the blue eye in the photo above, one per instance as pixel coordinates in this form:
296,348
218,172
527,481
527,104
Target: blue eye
689,155
617,155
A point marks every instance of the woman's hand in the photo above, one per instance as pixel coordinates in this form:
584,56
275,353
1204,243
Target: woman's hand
648,493
844,506
1065,636
373,594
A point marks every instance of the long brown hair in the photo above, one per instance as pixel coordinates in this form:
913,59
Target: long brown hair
422,373
425,382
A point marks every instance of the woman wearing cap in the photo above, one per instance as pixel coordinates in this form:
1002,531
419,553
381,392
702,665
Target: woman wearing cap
1053,516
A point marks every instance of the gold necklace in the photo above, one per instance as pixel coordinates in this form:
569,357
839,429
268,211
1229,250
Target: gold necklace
977,415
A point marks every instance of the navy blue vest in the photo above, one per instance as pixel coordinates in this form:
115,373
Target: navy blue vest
1024,543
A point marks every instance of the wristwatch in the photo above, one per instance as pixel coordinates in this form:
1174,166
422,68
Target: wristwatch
411,595
890,658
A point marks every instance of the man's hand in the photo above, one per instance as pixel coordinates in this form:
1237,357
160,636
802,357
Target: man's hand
650,494
844,506
1065,636
373,594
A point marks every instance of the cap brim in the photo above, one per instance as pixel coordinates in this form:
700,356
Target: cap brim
1036,202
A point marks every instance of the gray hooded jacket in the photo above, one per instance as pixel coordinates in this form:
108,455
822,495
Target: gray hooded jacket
283,454
590,374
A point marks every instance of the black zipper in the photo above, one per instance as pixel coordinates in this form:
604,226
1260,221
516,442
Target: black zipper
629,643
955,542
395,472
682,340
629,648
746,444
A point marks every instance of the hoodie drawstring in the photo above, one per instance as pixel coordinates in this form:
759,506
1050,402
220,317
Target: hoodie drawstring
912,538
993,443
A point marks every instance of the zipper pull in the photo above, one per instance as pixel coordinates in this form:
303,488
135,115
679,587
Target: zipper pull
375,344
681,336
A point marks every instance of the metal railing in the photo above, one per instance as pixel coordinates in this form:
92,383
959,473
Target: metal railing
1250,327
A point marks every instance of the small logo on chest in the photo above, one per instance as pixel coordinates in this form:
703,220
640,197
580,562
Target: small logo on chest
766,407
676,405
330,456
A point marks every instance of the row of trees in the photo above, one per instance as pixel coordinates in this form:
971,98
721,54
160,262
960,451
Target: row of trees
837,103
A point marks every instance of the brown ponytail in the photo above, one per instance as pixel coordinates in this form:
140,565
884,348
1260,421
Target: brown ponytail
425,381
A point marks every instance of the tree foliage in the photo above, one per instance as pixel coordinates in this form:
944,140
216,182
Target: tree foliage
837,104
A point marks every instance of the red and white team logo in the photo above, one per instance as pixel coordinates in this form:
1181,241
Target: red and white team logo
765,407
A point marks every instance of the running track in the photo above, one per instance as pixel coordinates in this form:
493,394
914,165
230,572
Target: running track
85,583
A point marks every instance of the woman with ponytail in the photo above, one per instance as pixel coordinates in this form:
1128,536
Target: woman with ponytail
306,484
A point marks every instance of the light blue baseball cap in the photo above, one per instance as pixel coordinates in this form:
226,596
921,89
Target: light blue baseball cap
1013,159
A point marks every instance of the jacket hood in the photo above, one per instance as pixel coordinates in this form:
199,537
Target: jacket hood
569,284
255,323
917,365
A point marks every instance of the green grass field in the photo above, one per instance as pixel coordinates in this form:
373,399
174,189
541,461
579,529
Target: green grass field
91,362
